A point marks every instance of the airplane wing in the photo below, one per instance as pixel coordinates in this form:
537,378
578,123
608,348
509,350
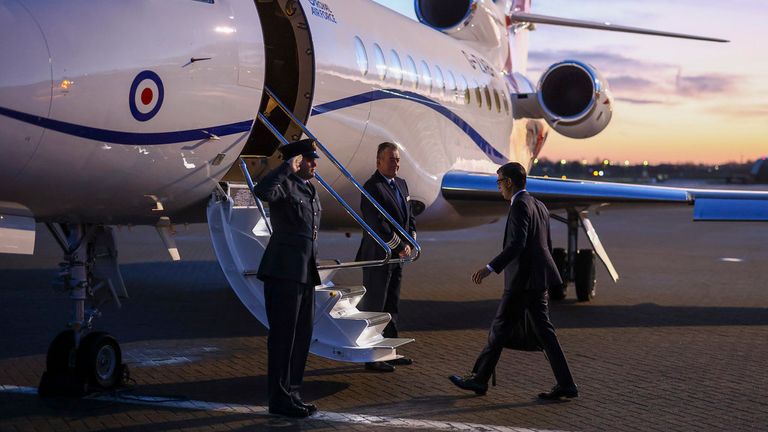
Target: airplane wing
708,204
522,17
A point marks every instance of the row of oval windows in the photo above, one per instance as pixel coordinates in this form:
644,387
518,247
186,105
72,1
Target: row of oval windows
411,77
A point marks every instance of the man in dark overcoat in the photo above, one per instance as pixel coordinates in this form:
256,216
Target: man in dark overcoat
382,283
289,271
529,270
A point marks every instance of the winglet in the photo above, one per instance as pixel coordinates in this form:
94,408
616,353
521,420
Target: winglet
521,17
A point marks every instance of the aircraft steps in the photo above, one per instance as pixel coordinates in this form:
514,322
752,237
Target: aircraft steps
341,332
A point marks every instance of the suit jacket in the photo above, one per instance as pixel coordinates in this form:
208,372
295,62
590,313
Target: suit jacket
526,258
380,190
295,215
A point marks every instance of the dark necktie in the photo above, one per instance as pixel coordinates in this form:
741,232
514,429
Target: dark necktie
399,197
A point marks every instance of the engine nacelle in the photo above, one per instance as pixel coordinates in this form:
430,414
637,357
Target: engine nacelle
575,99
453,17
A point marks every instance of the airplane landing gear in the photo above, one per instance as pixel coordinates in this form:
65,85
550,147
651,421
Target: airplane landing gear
80,360
585,280
574,265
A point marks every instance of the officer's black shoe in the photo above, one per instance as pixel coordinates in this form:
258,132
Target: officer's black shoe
402,361
307,406
379,366
289,410
558,392
469,382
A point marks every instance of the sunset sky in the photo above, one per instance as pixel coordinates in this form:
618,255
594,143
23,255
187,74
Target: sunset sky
675,100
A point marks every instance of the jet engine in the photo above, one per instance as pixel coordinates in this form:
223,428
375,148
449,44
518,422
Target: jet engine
575,99
453,17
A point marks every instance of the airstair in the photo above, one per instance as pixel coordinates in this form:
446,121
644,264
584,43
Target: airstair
240,230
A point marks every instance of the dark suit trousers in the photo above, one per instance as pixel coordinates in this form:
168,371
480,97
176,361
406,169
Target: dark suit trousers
290,311
382,294
511,309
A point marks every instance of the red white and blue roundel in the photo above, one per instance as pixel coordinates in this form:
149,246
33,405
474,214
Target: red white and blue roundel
146,96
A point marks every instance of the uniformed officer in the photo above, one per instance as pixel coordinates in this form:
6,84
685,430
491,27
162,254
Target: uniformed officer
289,272
383,283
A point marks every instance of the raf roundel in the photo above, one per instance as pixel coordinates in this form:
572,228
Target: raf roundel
146,95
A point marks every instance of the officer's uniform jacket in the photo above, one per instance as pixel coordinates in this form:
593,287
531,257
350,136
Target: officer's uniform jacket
380,190
295,216
526,258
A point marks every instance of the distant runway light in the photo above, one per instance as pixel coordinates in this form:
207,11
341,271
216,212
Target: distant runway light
731,259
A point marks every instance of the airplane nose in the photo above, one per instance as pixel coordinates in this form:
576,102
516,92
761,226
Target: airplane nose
25,89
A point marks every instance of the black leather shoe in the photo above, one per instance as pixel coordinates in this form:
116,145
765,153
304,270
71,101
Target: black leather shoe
289,410
558,392
402,361
469,383
311,408
379,367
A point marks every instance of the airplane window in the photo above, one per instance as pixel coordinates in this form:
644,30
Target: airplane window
362,56
496,99
450,85
411,74
439,84
487,97
478,96
506,104
396,68
426,76
381,64
465,89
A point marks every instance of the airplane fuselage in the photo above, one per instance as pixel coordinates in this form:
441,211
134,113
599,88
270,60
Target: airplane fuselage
122,114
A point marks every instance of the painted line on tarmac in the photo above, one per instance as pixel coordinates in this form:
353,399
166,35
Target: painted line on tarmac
349,418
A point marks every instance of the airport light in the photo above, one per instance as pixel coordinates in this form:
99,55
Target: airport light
626,163
595,173
645,163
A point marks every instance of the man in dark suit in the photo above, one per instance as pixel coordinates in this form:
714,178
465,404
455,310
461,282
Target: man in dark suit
289,271
383,282
529,270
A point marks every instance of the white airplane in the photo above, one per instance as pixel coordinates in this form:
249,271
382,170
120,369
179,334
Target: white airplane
139,113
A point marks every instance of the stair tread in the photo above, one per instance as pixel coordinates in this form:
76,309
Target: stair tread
391,342
344,290
365,316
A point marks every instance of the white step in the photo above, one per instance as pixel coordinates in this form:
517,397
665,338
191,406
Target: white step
341,332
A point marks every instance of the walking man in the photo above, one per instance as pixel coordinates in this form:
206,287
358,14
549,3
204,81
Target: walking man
289,271
383,282
529,270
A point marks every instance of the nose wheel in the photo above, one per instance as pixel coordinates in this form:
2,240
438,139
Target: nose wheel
94,365
99,361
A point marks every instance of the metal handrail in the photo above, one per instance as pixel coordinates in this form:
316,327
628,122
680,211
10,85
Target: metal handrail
347,207
249,180
388,251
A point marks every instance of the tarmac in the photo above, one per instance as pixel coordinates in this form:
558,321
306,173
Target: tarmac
679,343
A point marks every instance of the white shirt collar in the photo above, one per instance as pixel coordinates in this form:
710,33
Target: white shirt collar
512,201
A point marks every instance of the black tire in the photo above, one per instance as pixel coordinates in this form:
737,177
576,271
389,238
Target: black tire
99,360
558,292
585,280
61,353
